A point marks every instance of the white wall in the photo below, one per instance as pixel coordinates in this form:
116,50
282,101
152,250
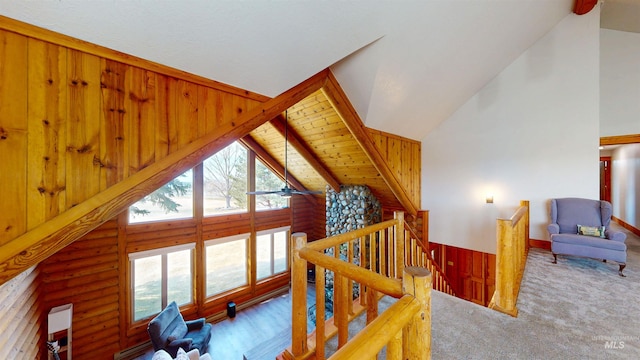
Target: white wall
619,83
532,133
620,115
625,184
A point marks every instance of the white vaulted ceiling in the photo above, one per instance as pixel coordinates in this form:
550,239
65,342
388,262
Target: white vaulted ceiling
405,65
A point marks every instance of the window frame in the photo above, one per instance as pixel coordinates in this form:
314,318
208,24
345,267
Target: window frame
272,232
163,253
191,216
247,257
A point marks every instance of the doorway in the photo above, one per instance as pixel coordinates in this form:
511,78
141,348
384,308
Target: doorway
605,178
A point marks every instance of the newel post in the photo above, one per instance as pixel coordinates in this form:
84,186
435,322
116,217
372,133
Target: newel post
416,342
299,296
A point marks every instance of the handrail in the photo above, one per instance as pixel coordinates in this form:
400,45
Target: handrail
391,287
440,281
512,237
376,271
367,343
519,214
334,240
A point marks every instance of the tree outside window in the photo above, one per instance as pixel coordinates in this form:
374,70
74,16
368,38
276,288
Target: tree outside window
225,181
174,200
266,181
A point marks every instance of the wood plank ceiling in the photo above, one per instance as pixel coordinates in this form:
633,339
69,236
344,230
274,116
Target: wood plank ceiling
340,160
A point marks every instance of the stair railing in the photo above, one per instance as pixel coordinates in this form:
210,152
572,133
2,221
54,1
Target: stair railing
376,272
417,254
511,256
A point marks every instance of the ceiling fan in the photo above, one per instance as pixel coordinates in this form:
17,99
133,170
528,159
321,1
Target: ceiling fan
286,191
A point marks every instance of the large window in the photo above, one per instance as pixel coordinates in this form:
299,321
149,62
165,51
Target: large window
267,181
272,252
225,181
159,277
226,263
174,200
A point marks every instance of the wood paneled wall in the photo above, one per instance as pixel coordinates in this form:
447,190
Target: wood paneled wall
472,273
309,216
87,123
86,273
404,158
73,122
75,119
21,317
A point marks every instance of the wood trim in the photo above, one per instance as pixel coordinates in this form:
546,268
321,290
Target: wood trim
620,139
50,36
45,240
340,102
540,244
294,139
627,226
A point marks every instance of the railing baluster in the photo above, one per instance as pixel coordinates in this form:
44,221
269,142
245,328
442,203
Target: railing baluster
320,313
350,259
383,254
341,299
394,347
363,263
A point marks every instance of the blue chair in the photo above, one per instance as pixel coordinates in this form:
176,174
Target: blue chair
168,331
580,227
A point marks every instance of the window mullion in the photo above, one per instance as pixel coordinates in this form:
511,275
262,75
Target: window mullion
165,281
272,253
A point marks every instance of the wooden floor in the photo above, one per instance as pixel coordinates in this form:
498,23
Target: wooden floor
253,326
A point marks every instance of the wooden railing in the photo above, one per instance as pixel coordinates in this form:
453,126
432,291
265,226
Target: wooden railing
511,256
417,254
375,271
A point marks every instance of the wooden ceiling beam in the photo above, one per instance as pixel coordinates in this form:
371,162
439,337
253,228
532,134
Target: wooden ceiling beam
620,139
343,107
39,243
269,161
293,138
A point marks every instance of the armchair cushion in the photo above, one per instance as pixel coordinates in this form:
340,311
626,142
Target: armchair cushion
195,324
597,231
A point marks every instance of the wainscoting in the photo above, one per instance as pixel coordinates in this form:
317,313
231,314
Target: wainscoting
471,273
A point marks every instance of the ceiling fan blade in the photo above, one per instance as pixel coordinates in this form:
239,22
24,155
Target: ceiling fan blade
264,192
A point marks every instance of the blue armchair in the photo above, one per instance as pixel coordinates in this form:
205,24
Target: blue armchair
168,331
580,227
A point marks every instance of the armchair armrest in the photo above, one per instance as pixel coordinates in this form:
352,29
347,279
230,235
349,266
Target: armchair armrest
615,235
195,324
553,229
184,343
